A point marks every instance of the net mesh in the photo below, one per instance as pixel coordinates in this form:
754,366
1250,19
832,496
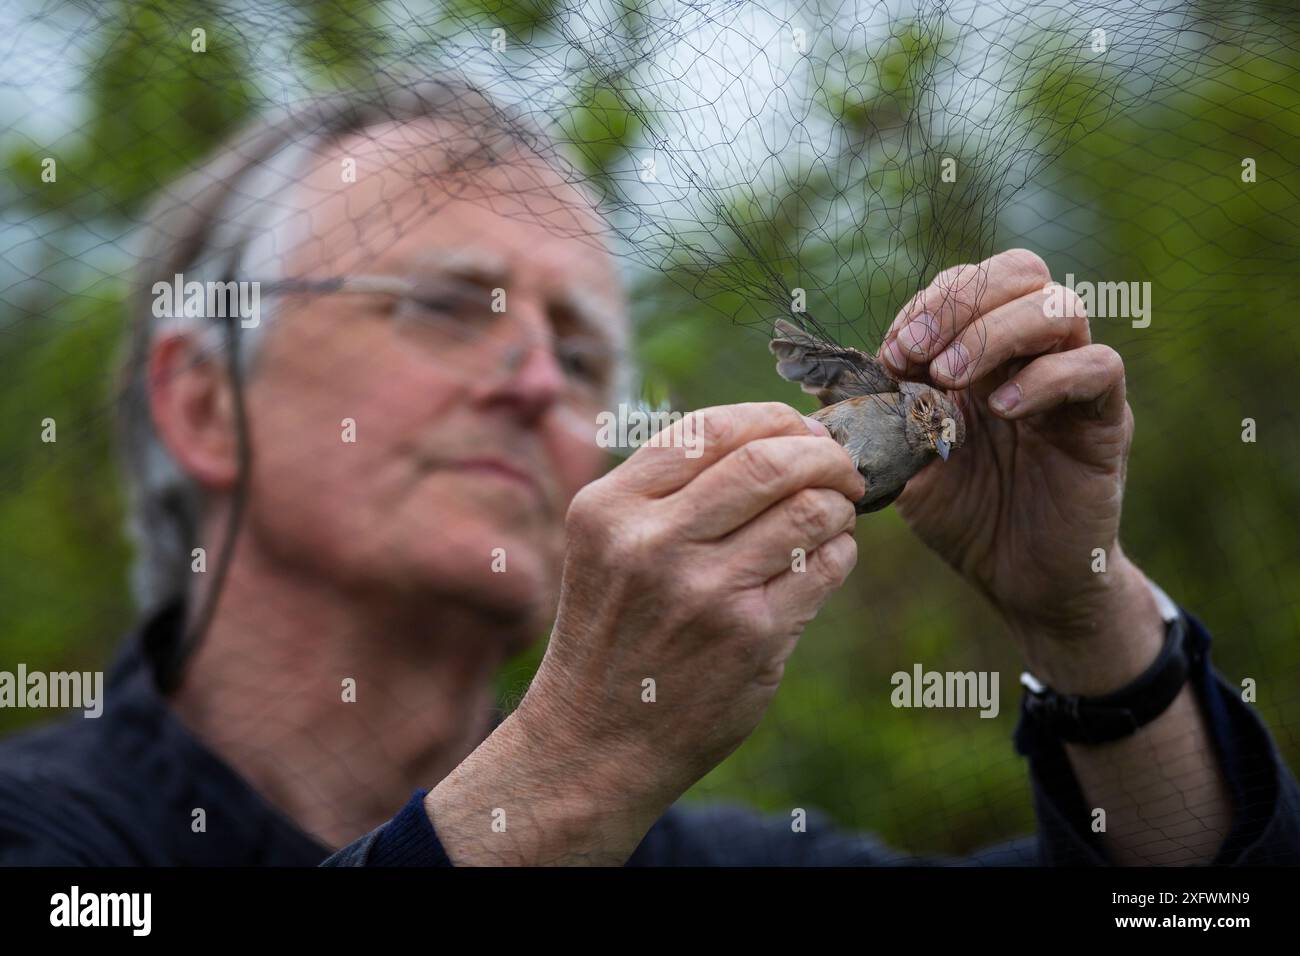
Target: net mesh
748,161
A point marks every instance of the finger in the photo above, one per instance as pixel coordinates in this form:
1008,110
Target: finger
1092,377
1044,321
756,476
806,520
957,296
797,596
677,454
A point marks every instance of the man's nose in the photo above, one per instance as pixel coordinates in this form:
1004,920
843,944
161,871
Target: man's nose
527,374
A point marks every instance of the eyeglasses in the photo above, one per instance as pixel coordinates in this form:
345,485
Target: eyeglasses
458,324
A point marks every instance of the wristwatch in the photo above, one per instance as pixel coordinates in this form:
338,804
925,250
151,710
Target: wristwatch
1097,720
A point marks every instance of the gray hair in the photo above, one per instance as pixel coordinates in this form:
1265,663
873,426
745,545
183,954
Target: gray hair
227,212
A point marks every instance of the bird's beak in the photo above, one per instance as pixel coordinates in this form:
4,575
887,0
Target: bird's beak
942,447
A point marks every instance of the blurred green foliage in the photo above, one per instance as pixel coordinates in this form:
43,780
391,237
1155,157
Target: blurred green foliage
1152,193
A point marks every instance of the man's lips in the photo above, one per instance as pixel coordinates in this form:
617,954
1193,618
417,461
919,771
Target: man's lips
498,467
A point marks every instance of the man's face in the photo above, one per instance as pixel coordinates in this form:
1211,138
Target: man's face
462,462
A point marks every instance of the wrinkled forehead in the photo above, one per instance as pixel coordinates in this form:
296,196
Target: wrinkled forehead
410,198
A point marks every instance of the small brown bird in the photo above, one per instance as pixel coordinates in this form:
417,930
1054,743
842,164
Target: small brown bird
891,429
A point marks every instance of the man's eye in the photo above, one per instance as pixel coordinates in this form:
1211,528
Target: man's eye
443,306
584,360
435,306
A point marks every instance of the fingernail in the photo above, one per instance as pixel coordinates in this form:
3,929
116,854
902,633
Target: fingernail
919,334
893,356
1006,398
954,361
816,427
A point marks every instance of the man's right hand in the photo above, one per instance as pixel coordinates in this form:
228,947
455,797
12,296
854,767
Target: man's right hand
679,571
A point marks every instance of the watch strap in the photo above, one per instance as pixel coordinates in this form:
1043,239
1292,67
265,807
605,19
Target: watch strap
1113,716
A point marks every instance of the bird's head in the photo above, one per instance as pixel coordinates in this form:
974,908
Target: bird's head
938,420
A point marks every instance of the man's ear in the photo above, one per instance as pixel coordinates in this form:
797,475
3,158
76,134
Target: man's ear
193,412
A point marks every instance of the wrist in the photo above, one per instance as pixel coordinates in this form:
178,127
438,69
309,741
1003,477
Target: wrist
525,798
1109,638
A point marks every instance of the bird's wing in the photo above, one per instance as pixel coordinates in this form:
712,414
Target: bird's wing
831,372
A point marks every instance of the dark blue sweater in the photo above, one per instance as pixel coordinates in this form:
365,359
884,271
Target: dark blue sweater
122,790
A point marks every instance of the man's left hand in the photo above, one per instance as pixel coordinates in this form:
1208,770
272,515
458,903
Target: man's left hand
1039,484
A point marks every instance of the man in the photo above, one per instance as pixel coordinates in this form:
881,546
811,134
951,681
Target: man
405,476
